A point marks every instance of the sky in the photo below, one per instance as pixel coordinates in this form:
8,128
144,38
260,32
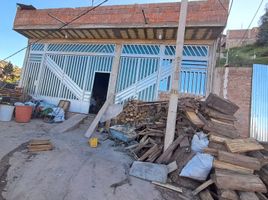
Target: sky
10,41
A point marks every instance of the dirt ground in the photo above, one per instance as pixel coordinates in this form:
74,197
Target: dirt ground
72,171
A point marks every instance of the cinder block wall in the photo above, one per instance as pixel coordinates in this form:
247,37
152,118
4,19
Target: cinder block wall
234,83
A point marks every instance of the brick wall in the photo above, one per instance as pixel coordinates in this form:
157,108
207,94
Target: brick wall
161,14
235,84
234,37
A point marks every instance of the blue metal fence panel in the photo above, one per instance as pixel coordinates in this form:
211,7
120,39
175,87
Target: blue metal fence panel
37,47
84,48
259,103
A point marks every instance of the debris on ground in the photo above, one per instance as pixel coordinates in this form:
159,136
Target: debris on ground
211,159
39,145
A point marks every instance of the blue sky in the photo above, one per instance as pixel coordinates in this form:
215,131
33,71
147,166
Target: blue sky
10,41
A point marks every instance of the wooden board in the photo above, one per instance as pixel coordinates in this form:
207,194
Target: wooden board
216,138
169,186
235,181
203,186
38,142
238,159
220,104
68,124
248,196
228,131
243,145
96,120
195,119
223,165
205,195
218,115
229,194
211,151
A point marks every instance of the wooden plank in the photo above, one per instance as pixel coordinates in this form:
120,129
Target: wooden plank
228,131
217,139
168,186
205,195
203,186
38,142
218,115
217,146
241,182
241,160
165,156
176,70
148,153
211,151
220,104
95,122
192,116
229,194
68,124
248,196
223,165
243,145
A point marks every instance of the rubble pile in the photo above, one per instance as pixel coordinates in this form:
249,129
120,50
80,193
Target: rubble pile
207,156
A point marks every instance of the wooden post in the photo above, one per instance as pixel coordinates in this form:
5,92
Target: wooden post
113,77
114,72
175,83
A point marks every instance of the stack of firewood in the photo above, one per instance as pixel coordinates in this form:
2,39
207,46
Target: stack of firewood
14,95
239,170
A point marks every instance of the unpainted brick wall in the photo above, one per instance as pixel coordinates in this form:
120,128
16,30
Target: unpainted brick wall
238,90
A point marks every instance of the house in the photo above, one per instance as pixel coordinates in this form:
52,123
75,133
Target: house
241,37
132,44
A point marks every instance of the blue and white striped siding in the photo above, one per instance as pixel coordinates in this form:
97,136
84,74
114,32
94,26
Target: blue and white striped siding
69,70
127,72
31,76
49,84
97,64
83,48
37,47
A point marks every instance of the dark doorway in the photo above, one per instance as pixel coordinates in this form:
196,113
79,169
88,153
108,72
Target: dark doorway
99,91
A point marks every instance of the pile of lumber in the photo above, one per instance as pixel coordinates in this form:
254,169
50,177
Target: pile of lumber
39,145
239,163
13,95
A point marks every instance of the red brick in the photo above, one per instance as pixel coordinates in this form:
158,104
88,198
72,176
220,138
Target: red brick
200,13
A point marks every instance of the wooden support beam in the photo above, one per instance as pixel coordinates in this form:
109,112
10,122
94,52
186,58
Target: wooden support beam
114,72
95,122
175,84
113,76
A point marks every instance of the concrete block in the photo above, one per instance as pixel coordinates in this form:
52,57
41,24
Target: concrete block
149,171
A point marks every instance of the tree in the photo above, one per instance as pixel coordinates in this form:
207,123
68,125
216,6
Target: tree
262,38
9,73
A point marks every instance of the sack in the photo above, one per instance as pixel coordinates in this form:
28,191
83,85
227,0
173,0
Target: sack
198,167
199,142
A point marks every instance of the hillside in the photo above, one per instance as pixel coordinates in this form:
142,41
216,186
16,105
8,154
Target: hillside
248,55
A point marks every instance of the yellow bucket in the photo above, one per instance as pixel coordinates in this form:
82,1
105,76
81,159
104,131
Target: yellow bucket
93,142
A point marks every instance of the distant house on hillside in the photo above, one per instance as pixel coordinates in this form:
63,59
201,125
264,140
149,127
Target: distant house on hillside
241,37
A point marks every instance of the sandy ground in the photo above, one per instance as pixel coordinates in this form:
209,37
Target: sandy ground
72,171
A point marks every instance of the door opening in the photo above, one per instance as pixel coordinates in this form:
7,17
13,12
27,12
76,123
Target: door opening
99,91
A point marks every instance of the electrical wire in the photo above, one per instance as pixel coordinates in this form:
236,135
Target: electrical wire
244,36
50,33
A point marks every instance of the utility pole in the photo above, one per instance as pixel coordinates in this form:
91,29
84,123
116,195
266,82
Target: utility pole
175,82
